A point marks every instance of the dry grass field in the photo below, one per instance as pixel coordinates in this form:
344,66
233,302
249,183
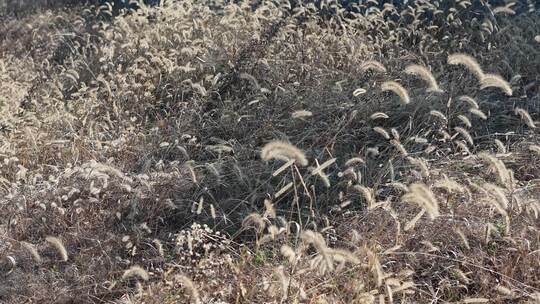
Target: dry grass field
270,152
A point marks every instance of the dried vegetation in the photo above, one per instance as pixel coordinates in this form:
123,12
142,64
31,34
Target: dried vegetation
213,152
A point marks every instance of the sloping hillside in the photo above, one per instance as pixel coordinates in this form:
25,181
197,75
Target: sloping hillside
211,152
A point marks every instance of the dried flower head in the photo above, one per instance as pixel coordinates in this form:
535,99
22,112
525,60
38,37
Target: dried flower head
284,151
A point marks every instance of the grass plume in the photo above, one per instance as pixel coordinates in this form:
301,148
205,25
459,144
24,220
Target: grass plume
283,151
373,66
59,246
420,193
397,89
525,117
189,286
469,100
424,74
504,176
496,81
32,250
135,271
301,114
469,62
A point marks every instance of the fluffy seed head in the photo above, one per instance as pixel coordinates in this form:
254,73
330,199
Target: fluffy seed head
478,113
496,81
378,115
398,89
188,285
438,114
465,135
353,161
465,120
270,211
469,62
527,119
301,113
372,65
424,74
421,164
399,186
367,193
382,132
472,103
359,92
397,144
32,250
504,10
503,174
59,246
535,149
284,151
159,247
254,220
395,133
420,193
289,253
135,271
451,186
505,291
499,196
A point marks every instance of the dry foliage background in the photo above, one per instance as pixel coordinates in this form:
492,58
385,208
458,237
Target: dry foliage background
216,152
